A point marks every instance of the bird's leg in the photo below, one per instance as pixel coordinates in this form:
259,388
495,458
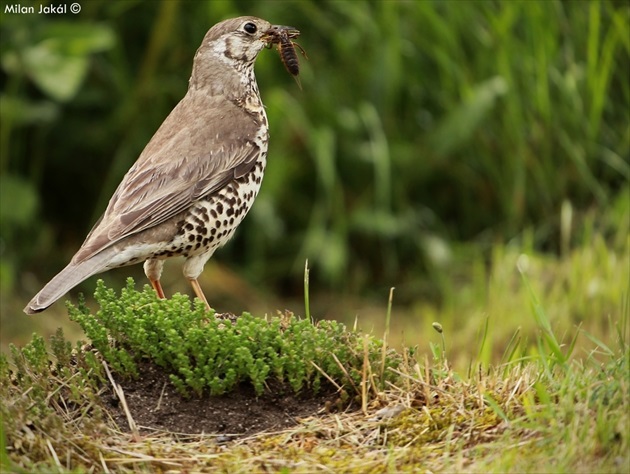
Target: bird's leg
193,266
199,292
153,271
157,286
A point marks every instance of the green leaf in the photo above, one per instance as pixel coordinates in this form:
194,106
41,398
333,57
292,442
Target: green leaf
21,111
59,63
459,126
80,38
56,74
18,201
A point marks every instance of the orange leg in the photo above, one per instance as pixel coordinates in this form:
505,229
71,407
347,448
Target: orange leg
199,292
158,288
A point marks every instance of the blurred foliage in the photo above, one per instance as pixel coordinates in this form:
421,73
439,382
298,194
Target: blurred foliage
422,127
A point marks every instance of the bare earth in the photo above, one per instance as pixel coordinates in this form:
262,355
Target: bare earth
155,404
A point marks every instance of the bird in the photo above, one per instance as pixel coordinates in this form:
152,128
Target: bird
197,177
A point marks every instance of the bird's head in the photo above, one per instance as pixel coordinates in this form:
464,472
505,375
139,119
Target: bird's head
231,47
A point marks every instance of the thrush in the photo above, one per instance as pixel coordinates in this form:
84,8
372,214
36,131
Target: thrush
197,177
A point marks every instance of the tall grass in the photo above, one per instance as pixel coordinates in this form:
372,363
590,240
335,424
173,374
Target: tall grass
460,121
419,125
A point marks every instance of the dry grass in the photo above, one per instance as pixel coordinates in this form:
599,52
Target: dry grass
509,418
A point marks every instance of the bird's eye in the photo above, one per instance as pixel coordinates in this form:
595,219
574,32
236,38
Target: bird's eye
250,28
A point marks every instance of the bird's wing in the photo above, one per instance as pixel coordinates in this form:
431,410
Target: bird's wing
194,153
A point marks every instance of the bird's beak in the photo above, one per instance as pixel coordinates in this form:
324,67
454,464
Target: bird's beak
275,34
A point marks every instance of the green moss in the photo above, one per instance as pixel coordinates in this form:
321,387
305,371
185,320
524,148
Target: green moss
207,354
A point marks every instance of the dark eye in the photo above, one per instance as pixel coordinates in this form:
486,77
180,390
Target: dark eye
250,28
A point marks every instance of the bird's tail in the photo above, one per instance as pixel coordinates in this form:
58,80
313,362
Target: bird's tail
67,279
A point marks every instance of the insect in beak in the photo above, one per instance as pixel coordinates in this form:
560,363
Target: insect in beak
282,37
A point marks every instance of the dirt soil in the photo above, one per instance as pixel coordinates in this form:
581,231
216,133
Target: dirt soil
155,404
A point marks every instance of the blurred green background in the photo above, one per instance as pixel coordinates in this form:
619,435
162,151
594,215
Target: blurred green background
433,145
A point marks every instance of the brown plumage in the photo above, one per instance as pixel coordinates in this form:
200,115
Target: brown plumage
197,177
